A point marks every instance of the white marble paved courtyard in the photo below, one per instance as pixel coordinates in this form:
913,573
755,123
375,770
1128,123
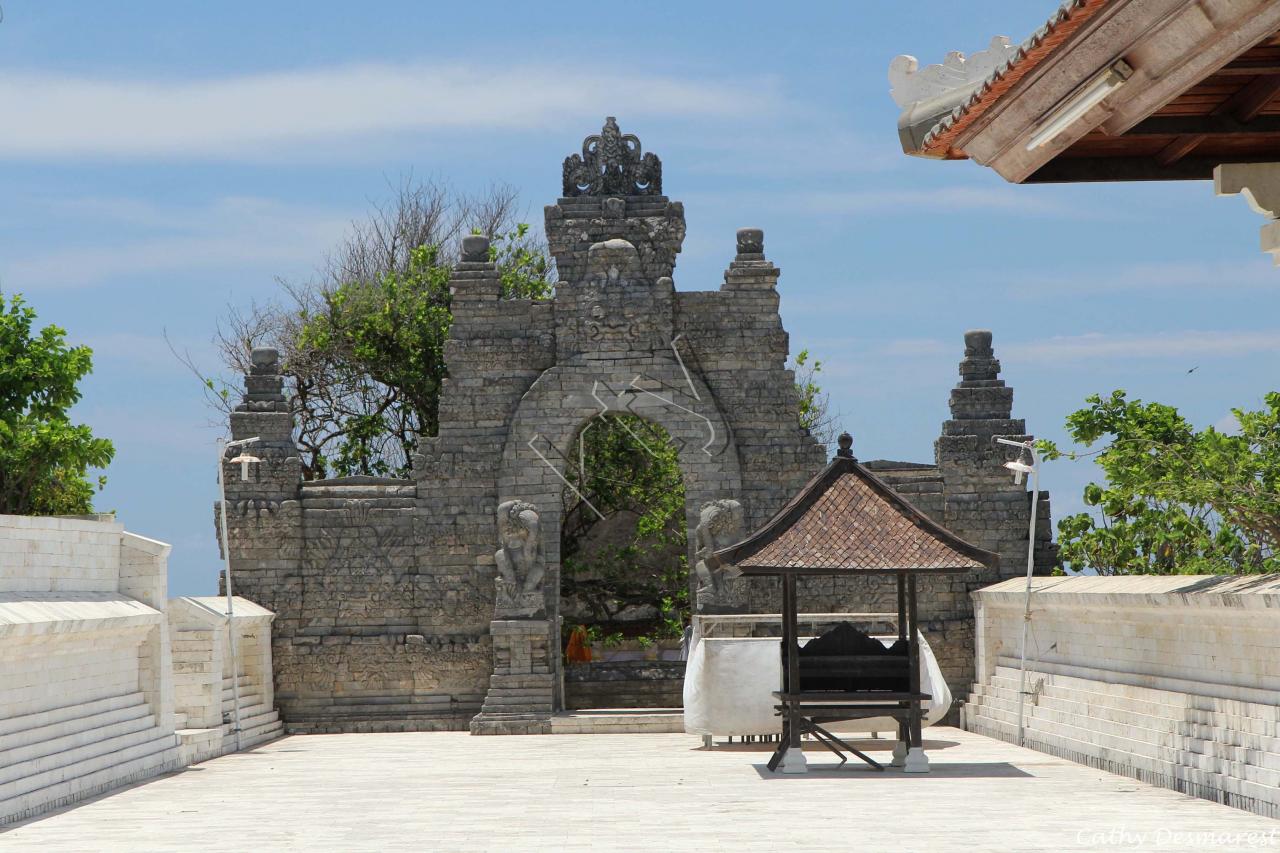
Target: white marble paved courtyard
450,791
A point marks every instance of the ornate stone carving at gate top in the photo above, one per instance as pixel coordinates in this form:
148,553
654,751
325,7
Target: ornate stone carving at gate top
519,561
720,524
611,164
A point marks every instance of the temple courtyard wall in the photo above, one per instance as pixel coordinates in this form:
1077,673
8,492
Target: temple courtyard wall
1169,679
433,602
96,678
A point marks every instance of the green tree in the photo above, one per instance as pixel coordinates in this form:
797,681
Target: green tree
362,345
386,337
1177,500
636,555
44,457
815,405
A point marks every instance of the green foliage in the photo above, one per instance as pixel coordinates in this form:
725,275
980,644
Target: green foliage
44,458
815,408
1177,500
385,337
631,467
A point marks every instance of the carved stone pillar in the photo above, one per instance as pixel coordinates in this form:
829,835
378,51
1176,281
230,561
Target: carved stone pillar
521,694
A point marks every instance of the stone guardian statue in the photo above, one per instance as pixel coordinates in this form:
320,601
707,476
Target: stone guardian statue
721,523
519,561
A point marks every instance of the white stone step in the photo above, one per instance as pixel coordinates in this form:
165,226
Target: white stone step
143,761
67,712
95,714
1250,702
1214,786
17,760
247,700
1233,738
1188,727
82,761
617,721
1113,741
1241,729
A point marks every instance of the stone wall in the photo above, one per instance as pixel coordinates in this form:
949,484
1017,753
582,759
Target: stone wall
625,684
1167,679
433,602
385,590
86,700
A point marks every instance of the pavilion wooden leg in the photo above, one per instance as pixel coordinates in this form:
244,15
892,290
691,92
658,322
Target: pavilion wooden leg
793,758
900,748
915,762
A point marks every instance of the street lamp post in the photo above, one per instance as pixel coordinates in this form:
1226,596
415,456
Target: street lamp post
1019,468
244,460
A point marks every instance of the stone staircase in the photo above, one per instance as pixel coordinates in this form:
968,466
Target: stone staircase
617,721
52,758
258,722
1221,749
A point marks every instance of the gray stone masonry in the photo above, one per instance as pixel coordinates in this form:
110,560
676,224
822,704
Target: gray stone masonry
384,589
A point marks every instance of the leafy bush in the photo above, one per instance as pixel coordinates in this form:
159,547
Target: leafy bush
44,457
1176,500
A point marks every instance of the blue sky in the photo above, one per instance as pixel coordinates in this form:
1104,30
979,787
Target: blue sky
161,161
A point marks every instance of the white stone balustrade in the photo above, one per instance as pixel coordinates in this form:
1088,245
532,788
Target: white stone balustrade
1169,679
203,693
86,698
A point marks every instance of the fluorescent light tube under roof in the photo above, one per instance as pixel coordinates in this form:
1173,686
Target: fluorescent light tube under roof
1080,103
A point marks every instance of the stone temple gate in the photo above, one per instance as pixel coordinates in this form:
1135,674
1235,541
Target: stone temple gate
432,602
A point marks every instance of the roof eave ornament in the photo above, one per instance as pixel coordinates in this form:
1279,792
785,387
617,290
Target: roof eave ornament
612,164
927,95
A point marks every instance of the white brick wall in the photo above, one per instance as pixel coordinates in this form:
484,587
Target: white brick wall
203,670
1170,679
86,699
39,554
1219,632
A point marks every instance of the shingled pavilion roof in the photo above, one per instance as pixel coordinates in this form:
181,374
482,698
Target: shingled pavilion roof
847,520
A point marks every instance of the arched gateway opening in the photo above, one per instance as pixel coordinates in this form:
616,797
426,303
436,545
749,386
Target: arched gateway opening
540,463
624,568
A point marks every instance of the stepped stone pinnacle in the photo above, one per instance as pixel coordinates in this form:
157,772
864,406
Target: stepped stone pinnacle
981,394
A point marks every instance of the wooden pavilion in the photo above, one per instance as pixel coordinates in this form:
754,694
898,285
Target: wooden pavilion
848,522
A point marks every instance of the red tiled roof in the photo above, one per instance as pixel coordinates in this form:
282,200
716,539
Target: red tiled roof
1066,20
848,521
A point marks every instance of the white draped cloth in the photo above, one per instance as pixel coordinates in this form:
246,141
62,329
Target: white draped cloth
729,684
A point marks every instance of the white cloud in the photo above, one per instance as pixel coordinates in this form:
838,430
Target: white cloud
1177,344
937,200
71,117
912,203
230,233
1204,276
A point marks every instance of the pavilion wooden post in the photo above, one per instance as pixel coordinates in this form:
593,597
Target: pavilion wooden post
793,760
904,730
915,762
